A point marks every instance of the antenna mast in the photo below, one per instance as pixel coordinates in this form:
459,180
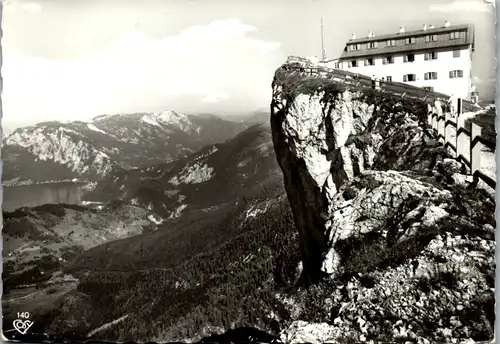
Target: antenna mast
323,57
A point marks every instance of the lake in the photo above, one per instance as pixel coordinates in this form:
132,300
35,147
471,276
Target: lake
15,197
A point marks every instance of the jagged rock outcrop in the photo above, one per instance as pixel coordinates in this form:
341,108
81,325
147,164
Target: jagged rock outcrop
326,134
379,210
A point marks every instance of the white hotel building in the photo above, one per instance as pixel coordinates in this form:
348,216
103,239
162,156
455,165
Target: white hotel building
438,59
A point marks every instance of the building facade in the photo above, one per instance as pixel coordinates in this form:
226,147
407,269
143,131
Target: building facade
438,59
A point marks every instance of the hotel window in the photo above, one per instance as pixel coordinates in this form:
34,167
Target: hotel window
353,63
391,42
337,65
456,74
369,62
455,35
456,53
388,60
411,40
409,77
431,56
409,58
388,78
430,76
431,38
372,45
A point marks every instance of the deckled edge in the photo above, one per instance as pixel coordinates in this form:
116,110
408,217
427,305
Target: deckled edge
1,163
496,13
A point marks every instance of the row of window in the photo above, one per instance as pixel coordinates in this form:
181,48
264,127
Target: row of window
406,58
393,42
431,76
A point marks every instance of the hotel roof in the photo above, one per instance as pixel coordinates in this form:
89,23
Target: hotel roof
468,39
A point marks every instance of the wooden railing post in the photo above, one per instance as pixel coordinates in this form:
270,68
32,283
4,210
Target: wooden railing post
430,111
440,127
461,138
447,117
460,104
475,149
439,112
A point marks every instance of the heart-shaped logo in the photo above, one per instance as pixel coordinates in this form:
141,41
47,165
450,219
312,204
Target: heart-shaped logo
22,326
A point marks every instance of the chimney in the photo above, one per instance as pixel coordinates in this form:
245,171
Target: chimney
353,36
425,27
431,26
402,29
447,23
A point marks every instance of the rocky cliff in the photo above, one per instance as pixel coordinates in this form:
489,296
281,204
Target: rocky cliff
405,244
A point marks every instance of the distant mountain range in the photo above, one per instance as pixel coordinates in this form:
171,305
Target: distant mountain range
54,151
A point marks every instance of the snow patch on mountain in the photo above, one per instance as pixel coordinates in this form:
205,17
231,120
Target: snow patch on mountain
177,119
94,128
213,150
156,221
150,119
194,174
253,211
177,212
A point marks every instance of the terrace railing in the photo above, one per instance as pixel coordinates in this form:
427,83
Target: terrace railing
307,68
467,144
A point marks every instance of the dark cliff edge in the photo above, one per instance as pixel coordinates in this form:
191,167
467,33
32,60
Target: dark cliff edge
394,239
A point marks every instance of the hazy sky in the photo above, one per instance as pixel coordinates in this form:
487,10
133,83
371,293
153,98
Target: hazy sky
76,59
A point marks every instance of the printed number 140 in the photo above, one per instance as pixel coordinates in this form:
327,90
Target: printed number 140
23,315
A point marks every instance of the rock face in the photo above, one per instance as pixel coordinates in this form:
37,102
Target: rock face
375,202
325,136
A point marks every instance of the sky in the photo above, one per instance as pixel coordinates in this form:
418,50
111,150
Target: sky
77,59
